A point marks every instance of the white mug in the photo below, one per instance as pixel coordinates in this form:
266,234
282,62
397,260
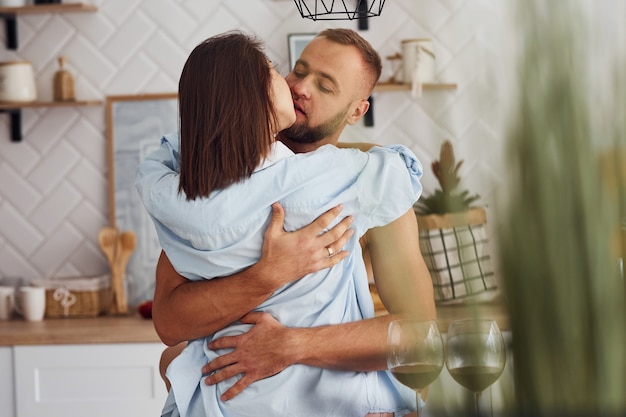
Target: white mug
17,82
7,302
31,302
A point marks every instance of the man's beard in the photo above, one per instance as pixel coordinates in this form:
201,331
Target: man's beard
302,133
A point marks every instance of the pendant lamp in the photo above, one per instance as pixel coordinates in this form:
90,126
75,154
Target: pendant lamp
339,9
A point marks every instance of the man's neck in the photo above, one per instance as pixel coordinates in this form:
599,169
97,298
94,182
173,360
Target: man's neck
305,147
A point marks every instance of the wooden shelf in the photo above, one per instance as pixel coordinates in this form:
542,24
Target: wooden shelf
14,110
15,105
49,8
390,87
387,87
9,14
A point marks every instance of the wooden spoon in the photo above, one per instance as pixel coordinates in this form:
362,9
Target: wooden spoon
109,239
128,240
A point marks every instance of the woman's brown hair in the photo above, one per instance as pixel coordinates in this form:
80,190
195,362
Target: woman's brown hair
226,113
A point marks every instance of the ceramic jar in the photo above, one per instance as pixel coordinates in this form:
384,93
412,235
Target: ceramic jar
17,82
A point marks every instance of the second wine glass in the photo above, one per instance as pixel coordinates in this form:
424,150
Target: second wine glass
414,353
475,354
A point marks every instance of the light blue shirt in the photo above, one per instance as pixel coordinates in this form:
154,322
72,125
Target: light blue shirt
223,234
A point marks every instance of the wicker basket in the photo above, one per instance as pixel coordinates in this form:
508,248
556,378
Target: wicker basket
77,296
455,247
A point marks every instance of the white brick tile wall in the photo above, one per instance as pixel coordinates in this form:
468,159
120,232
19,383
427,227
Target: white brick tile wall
17,191
20,234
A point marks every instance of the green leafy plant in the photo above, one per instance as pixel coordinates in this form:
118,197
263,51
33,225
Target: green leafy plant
447,199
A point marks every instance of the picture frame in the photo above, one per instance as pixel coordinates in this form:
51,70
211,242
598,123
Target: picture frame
297,42
134,127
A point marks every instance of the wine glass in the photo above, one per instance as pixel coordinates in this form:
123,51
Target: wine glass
414,353
475,354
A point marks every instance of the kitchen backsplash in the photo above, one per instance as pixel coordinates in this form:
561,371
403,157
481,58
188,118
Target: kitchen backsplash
53,187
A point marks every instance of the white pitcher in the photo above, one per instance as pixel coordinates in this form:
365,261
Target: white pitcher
418,63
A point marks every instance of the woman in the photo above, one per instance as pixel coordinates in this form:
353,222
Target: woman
232,103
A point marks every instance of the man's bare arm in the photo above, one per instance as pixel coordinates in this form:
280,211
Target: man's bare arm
405,288
185,310
268,347
400,273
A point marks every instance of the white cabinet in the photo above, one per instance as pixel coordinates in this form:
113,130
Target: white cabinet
86,380
6,382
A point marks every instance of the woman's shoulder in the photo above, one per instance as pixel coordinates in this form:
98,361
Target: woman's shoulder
331,157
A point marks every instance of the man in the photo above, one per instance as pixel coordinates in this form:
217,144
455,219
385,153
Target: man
330,85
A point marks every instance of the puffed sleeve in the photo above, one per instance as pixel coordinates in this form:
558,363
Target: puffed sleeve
389,184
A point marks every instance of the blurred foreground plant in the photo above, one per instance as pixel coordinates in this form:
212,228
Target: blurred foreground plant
559,255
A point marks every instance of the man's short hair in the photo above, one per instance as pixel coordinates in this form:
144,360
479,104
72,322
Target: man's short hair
368,53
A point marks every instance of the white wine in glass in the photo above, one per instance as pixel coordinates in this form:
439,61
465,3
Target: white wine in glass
475,355
415,353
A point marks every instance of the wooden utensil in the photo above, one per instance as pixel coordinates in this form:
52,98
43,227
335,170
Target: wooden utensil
117,281
128,240
109,239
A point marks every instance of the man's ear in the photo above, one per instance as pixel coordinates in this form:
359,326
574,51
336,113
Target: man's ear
359,111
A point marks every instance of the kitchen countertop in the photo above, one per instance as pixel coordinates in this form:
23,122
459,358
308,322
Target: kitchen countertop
57,331
134,329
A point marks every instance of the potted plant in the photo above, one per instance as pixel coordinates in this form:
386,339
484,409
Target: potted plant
453,236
